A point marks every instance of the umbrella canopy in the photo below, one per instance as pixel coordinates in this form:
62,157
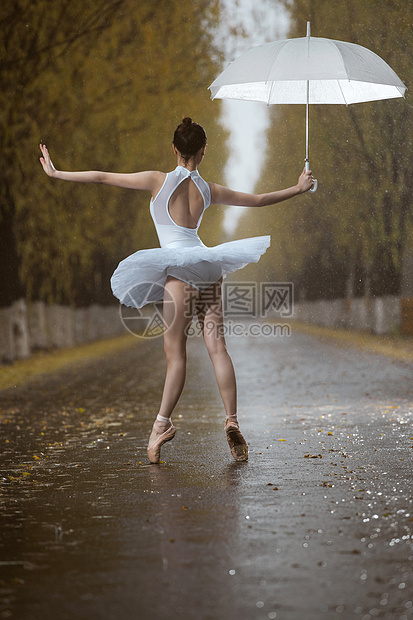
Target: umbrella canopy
308,70
335,72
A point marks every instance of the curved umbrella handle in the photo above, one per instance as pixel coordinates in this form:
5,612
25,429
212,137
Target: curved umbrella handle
314,188
307,168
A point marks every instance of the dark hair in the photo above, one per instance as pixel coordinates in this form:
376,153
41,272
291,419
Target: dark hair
189,137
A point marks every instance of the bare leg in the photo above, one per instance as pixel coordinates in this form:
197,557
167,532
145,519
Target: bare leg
210,314
177,314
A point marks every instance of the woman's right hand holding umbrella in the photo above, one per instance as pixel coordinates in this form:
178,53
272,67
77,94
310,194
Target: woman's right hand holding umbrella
306,181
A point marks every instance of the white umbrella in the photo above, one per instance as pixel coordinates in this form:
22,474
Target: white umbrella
308,70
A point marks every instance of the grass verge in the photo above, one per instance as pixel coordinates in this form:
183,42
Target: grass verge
22,371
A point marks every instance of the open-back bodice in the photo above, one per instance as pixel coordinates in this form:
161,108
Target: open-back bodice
170,233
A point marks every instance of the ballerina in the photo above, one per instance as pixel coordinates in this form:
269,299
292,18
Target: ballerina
183,272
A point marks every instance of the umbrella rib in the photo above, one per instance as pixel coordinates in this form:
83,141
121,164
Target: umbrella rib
338,55
271,68
341,90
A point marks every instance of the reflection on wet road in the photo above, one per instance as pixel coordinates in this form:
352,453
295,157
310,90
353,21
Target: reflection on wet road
318,524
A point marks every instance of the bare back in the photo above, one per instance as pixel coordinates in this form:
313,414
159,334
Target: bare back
186,204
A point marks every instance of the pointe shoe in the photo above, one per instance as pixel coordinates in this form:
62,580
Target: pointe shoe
236,441
156,441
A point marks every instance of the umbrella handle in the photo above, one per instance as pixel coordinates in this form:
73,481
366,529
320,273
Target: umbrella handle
314,188
307,168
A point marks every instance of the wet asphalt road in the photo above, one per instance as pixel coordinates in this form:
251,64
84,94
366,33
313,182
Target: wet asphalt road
317,525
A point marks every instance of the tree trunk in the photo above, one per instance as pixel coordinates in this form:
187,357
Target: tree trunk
407,269
11,288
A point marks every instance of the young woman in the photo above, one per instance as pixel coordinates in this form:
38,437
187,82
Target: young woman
183,272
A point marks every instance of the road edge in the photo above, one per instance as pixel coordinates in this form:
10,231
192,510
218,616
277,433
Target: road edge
395,346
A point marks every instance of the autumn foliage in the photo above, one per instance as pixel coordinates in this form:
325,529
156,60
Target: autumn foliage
103,84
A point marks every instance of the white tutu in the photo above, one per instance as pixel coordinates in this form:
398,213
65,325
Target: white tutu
140,278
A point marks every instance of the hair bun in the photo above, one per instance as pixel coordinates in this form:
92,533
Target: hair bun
189,137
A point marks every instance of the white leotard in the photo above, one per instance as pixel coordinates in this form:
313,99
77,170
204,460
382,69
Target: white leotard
170,233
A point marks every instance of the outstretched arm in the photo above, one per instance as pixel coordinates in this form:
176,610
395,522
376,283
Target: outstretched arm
225,196
150,181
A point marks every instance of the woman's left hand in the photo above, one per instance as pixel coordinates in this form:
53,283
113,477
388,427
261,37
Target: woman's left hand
46,162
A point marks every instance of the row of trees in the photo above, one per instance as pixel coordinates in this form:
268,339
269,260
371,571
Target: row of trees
351,236
103,84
